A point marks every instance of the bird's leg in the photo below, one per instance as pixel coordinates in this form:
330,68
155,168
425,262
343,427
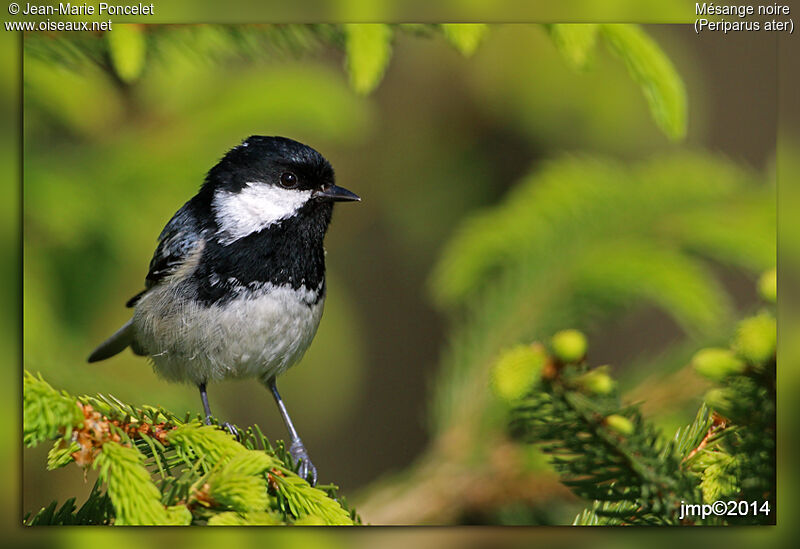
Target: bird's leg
207,409
204,398
297,450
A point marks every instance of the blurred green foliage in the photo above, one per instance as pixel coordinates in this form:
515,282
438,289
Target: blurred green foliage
655,73
577,243
369,48
584,237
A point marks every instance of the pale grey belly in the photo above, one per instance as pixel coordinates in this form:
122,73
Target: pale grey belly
260,336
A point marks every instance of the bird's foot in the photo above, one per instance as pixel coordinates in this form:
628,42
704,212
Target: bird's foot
225,425
231,429
306,469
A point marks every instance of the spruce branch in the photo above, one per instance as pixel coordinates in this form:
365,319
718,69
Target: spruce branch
133,494
737,459
47,413
159,470
604,450
97,510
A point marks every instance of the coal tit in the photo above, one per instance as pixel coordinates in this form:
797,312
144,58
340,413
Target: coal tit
237,283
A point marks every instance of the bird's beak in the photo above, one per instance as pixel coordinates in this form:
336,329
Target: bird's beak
337,194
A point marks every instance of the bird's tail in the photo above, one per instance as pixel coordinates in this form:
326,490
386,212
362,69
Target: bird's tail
114,344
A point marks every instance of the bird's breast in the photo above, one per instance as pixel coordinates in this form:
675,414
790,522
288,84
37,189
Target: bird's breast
262,331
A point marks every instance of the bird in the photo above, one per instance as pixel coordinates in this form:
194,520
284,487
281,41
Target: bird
236,286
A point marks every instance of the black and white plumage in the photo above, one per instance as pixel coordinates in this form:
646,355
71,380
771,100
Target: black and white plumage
236,286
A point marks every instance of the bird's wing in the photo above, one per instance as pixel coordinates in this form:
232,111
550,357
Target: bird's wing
180,237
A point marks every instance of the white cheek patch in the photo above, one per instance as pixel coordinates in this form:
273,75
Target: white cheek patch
254,208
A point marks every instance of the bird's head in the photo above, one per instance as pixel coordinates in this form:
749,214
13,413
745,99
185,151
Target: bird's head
266,180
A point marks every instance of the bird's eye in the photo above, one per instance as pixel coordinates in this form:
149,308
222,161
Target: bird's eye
289,180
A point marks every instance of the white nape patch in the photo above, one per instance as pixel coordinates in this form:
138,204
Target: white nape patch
254,208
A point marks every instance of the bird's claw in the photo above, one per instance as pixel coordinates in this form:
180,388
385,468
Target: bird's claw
305,469
231,429
225,425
